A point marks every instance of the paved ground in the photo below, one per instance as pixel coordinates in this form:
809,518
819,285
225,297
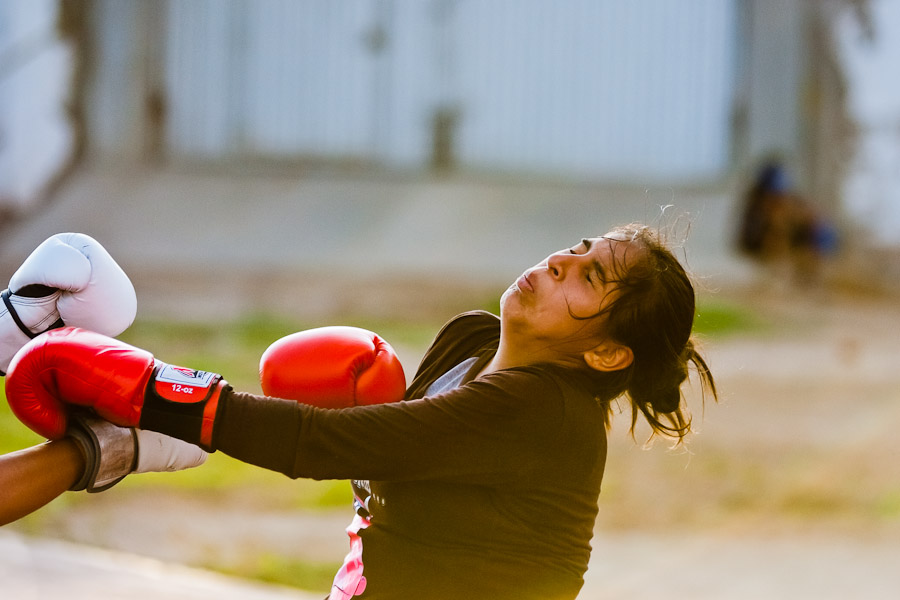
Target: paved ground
38,569
171,230
625,567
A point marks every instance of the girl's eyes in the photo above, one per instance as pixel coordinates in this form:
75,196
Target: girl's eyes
590,272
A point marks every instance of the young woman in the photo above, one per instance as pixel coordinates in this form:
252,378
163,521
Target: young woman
484,482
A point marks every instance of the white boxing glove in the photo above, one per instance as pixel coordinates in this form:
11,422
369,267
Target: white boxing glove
112,452
70,279
96,293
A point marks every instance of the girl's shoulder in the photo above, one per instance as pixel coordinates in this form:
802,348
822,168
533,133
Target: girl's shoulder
467,334
470,334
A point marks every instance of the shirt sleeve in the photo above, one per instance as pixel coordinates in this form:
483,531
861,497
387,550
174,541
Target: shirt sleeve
494,427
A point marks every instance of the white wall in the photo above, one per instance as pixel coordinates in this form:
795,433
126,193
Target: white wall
114,105
871,193
36,139
773,79
587,88
626,90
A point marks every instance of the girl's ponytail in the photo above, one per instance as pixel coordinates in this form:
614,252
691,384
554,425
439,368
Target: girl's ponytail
653,315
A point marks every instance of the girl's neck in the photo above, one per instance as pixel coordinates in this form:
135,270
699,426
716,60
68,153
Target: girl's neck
492,365
509,355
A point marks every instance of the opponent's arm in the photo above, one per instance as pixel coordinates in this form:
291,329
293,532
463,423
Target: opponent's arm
94,456
32,477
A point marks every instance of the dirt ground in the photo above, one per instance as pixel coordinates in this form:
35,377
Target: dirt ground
790,489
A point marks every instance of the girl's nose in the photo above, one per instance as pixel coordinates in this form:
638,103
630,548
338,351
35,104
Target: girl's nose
556,264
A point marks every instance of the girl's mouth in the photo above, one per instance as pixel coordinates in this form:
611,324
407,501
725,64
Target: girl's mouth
524,284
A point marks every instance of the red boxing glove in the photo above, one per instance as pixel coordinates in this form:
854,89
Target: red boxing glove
122,384
332,367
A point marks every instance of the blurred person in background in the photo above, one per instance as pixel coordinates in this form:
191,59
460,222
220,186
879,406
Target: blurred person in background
782,231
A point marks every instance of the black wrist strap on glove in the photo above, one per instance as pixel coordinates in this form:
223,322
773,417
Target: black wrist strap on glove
29,291
15,315
110,452
182,403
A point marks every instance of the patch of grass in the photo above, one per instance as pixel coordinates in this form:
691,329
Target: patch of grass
814,503
492,305
232,349
223,480
14,435
719,319
333,494
398,333
887,505
277,569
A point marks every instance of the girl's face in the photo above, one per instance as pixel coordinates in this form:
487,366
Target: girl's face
554,305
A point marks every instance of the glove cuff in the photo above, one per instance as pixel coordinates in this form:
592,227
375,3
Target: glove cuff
6,295
23,318
182,403
109,452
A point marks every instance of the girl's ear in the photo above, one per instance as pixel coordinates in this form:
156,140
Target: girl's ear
609,356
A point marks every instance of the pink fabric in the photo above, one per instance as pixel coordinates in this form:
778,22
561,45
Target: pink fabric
350,580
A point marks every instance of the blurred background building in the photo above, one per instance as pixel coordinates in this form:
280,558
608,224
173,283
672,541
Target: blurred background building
641,93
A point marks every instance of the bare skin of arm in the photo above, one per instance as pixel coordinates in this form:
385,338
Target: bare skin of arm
32,477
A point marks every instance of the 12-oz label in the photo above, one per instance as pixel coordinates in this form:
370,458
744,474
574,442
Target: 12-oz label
179,384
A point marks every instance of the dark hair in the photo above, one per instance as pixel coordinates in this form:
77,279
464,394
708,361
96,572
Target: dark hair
653,315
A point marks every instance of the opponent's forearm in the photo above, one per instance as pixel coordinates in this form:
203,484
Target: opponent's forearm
32,477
